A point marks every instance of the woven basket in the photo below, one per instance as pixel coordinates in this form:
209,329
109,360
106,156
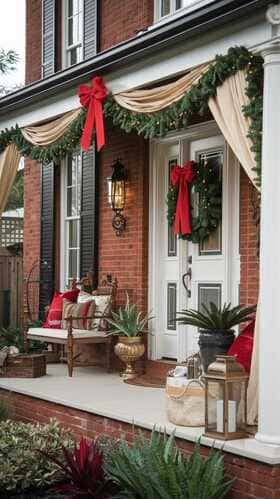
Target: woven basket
24,366
185,405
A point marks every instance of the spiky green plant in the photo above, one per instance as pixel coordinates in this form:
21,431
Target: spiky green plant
127,321
156,469
214,318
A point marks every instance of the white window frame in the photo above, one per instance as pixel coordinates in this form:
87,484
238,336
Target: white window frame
194,4
64,229
65,48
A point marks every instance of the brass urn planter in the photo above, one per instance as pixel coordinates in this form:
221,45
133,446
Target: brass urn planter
129,349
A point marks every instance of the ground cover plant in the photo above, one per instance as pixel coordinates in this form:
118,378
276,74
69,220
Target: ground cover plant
156,469
22,466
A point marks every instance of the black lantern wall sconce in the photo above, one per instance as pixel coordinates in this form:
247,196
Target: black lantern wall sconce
116,195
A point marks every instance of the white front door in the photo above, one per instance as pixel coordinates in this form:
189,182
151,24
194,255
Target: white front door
183,274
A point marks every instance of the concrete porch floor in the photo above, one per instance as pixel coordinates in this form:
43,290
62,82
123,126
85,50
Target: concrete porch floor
97,392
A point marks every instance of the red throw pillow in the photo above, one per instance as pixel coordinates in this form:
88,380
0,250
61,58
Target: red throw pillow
54,316
242,347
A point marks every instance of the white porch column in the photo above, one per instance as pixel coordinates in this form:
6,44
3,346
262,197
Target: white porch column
269,341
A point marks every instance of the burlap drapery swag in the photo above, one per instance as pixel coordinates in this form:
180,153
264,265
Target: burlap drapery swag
226,108
9,161
156,99
46,134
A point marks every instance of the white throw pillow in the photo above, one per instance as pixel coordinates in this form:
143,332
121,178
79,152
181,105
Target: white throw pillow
84,297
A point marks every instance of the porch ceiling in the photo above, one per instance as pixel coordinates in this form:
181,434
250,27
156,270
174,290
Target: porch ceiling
94,391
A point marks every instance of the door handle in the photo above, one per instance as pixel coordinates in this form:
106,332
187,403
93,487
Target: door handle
186,278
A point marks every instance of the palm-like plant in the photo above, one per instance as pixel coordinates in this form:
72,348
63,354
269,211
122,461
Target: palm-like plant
127,321
216,319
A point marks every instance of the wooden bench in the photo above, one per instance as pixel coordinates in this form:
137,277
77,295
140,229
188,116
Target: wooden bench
71,337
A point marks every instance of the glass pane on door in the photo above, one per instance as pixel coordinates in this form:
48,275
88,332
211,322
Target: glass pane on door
207,293
213,160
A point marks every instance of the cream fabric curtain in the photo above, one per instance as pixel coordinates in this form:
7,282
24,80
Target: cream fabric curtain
155,99
226,108
9,161
46,134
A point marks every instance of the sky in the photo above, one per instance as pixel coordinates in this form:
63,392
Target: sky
12,36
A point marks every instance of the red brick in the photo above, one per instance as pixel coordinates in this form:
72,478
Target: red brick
33,40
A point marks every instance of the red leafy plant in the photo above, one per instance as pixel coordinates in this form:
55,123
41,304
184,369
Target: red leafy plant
84,468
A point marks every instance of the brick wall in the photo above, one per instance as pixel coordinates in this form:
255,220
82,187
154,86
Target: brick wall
31,247
125,256
253,479
249,272
33,40
119,21
123,19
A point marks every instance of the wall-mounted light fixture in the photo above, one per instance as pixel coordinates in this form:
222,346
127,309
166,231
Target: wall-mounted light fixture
116,195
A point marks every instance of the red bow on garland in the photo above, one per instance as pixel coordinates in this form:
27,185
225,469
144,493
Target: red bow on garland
181,177
92,98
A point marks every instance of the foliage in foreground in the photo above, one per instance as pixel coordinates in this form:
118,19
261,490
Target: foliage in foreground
13,336
22,466
156,469
15,199
84,469
8,60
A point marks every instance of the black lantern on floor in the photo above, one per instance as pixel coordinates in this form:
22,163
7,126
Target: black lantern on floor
116,194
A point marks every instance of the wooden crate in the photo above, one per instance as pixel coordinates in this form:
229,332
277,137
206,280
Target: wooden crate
52,357
24,366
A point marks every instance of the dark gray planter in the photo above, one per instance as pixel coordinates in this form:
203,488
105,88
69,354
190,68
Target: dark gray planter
213,343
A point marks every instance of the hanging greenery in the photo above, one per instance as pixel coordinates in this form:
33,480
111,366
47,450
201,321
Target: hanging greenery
177,116
195,101
207,201
54,152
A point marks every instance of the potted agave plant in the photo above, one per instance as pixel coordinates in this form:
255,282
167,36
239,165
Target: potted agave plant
215,327
129,325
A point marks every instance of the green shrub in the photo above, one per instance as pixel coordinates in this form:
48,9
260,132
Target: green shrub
21,465
14,336
156,469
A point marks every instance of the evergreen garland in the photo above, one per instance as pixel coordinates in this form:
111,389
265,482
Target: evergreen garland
177,116
195,101
206,216
54,152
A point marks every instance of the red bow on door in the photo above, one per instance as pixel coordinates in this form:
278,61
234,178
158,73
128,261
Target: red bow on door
181,177
92,98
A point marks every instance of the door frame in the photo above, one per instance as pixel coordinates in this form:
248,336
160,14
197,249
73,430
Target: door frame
195,132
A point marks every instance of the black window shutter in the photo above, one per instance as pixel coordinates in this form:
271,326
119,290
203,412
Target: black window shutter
48,37
90,28
47,262
88,251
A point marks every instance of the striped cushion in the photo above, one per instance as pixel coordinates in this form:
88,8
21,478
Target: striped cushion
85,310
